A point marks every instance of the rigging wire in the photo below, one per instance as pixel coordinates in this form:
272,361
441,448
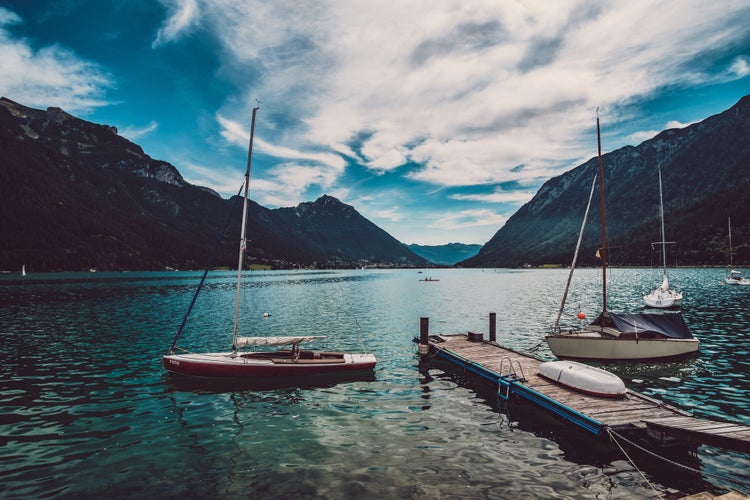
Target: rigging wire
365,349
556,328
209,266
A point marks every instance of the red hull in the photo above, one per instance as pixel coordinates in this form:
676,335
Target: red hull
224,367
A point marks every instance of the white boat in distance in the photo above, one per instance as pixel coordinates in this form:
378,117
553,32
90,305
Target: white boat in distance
584,378
632,337
235,364
733,277
663,297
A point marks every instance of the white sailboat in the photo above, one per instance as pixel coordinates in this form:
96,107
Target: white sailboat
663,297
235,364
612,336
23,270
733,277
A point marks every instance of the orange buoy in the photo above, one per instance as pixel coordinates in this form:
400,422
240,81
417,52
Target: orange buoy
581,315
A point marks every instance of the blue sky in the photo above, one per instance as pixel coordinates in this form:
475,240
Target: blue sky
435,120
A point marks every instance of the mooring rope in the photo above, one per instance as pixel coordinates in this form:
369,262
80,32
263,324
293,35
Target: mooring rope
632,462
612,434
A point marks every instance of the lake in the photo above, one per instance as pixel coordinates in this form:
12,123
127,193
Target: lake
88,410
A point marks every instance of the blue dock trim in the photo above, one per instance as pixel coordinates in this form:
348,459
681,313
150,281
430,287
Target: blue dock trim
593,426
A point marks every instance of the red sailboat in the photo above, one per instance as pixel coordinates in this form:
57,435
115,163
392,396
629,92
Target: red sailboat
289,362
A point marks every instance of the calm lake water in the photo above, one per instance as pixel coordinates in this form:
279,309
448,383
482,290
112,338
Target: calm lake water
88,411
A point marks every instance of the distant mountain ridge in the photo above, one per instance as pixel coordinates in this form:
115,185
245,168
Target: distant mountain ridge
445,255
706,178
75,195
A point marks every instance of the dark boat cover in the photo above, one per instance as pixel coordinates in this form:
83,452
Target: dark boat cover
669,324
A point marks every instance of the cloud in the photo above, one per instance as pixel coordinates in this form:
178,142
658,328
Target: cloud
467,91
8,18
498,196
740,67
644,135
221,180
392,214
134,134
48,76
184,14
468,218
284,183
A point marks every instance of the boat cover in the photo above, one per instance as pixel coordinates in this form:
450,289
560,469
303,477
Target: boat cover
669,324
245,341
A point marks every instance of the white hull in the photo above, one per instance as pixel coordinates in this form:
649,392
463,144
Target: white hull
583,378
592,345
736,281
663,300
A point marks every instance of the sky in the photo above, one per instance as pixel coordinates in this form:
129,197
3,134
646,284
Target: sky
436,120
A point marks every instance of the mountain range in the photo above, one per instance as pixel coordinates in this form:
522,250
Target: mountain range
706,180
75,195
445,255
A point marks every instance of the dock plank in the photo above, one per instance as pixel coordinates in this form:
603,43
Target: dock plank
633,411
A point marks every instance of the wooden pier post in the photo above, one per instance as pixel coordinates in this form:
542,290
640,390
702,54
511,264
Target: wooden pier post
493,327
424,333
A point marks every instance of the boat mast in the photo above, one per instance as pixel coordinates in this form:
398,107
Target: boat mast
663,238
601,208
243,233
731,260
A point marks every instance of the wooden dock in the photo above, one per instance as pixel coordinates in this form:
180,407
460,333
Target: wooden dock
517,374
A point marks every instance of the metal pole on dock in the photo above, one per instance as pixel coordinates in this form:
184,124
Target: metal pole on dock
493,327
424,333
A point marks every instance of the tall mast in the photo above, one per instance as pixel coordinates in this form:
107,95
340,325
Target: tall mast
731,260
243,233
663,238
604,225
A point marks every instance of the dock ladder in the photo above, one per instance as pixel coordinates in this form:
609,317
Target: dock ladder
513,373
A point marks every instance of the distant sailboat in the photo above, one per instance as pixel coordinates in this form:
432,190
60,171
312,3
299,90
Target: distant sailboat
663,297
23,270
733,277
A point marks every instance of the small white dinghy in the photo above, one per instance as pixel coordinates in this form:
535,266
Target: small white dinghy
584,378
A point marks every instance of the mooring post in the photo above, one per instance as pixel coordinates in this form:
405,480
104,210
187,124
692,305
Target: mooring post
493,328
424,333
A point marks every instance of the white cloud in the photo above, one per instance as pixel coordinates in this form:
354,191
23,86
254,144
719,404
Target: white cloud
221,180
134,134
8,17
740,67
49,76
184,14
498,196
393,214
468,91
468,218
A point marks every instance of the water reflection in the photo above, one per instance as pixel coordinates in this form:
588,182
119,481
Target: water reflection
89,410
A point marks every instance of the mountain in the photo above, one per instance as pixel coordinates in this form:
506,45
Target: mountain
75,195
338,235
445,255
706,179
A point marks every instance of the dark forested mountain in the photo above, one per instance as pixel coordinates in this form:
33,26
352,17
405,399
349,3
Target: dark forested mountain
74,195
706,180
445,255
